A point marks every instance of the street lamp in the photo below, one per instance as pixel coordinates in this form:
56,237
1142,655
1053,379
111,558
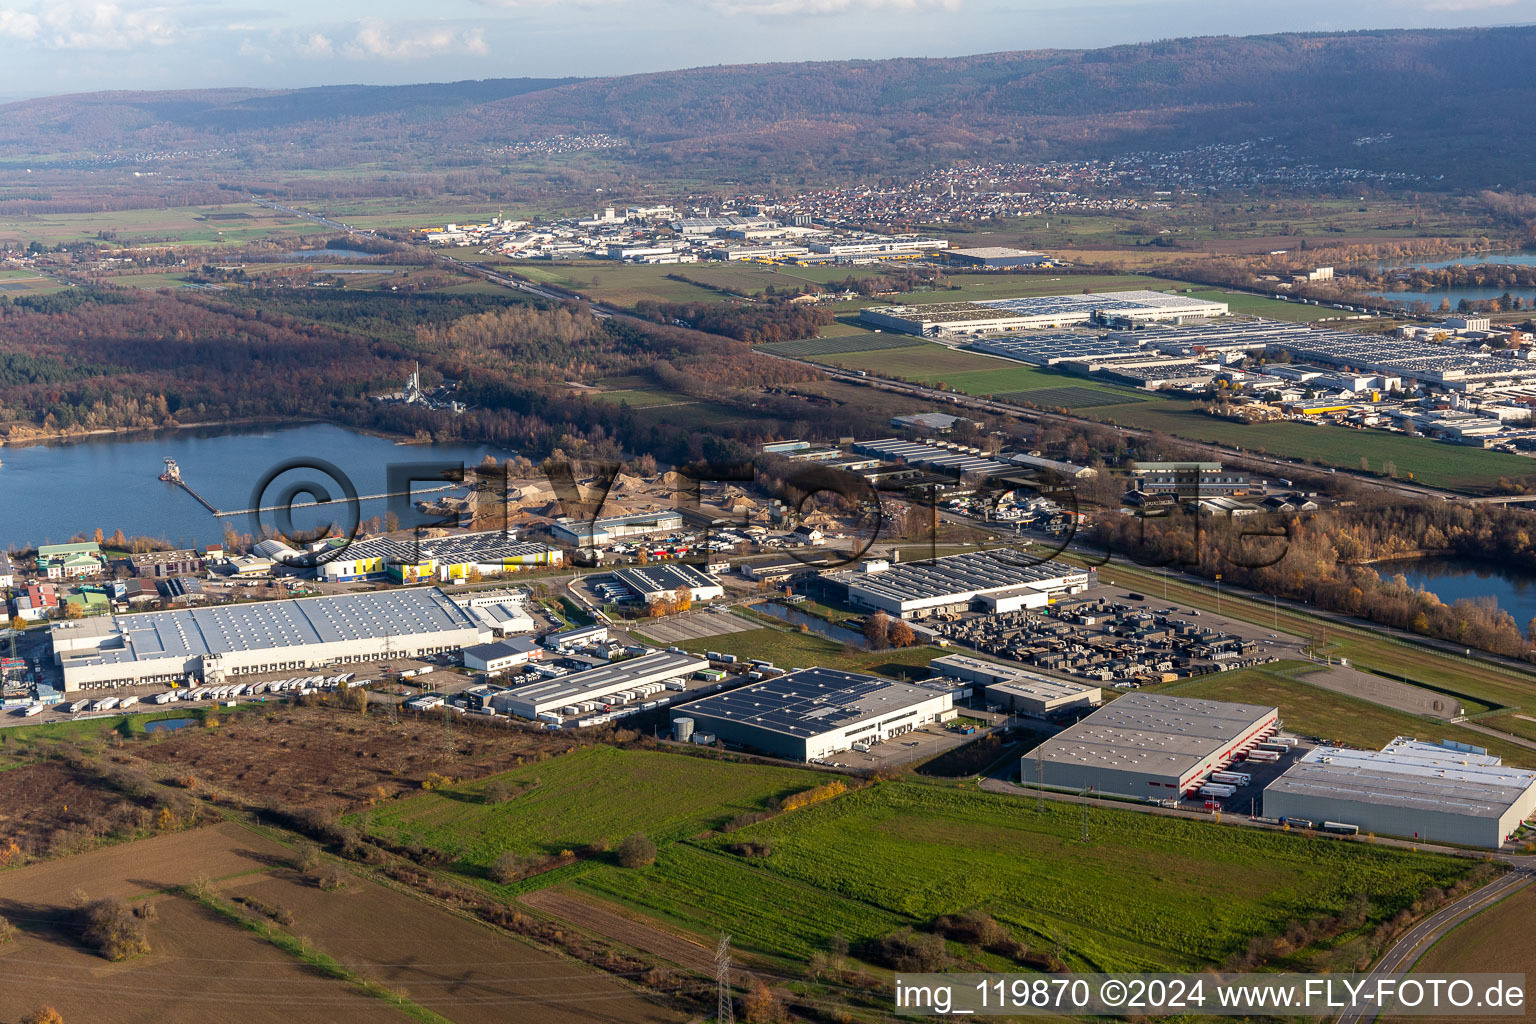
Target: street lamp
1218,593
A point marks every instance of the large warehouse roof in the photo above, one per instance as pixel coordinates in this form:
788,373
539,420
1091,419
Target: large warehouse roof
1040,310
604,679
812,701
269,625
1153,733
1409,774
961,577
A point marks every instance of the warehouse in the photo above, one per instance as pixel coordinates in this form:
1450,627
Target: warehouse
653,583
1018,689
1441,792
1038,311
503,612
1149,745
496,658
447,559
995,256
598,532
270,636
599,687
814,712
999,581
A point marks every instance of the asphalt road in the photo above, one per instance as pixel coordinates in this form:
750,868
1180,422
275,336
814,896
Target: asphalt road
1405,952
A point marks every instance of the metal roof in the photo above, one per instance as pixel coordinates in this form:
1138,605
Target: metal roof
274,625
961,577
606,679
812,701
1410,774
1153,733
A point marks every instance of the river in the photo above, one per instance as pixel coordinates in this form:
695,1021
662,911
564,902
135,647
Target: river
49,492
1452,579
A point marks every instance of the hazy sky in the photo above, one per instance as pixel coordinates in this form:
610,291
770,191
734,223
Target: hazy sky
59,46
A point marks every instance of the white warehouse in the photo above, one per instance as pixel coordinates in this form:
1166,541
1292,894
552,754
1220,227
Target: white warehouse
597,686
1440,792
993,581
814,712
1151,746
269,636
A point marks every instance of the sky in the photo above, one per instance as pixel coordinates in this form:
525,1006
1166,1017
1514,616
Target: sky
49,47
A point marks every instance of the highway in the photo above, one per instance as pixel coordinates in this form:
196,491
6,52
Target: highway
1405,952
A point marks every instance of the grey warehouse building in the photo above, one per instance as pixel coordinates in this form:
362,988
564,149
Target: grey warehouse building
814,712
270,636
993,581
1431,791
596,686
1019,689
1151,746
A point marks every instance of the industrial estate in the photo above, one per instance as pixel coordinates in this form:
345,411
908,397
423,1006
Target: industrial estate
716,546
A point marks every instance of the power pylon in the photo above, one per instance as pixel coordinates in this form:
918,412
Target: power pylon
725,1012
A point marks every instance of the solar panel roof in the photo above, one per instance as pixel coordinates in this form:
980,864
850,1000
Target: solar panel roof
811,701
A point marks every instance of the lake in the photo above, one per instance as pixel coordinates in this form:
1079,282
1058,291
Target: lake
1455,295
49,492
796,617
1452,579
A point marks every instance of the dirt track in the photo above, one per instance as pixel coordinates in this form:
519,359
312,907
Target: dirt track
611,924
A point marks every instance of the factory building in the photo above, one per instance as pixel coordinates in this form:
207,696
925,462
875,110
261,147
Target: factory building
991,581
597,532
995,257
598,688
1440,792
445,559
652,583
815,712
1039,311
496,658
271,636
503,612
1152,746
1018,689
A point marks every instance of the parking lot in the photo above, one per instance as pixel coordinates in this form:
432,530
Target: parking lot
675,629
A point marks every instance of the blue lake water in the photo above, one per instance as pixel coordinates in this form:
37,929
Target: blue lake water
1452,579
168,724
1455,295
50,492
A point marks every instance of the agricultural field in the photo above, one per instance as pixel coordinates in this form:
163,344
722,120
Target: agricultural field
584,797
1313,711
17,283
1493,941
232,224
908,852
1248,304
460,968
1070,396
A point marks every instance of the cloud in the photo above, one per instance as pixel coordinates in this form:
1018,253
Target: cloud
807,8
77,25
374,40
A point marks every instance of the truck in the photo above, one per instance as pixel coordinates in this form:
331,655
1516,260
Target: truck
1340,828
163,698
1296,822
862,748
1238,779
1217,790
128,702
1263,755
32,709
105,704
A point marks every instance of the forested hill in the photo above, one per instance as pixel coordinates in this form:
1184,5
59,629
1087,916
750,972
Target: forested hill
1452,103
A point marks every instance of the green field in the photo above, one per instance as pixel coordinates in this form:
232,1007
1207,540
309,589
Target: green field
1070,396
16,283
1248,304
1313,711
1143,893
233,224
823,346
585,796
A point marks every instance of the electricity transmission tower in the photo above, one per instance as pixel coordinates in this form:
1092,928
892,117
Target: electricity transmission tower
725,1012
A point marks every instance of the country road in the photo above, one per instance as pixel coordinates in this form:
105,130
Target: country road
1405,952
